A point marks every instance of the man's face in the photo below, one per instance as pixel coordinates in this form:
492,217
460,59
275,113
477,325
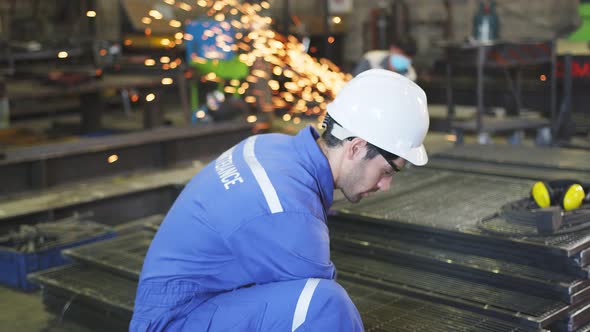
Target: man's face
366,176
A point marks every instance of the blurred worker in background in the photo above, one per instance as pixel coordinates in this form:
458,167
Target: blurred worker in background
394,59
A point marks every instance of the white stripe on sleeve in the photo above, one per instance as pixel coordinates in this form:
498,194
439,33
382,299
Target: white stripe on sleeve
261,177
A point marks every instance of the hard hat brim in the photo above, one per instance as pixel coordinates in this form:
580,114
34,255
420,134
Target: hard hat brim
416,156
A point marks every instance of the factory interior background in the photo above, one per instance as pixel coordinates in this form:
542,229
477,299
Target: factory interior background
109,107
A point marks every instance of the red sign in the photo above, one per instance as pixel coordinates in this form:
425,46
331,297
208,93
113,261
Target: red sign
580,68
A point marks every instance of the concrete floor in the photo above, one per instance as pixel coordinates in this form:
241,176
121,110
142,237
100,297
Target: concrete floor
20,311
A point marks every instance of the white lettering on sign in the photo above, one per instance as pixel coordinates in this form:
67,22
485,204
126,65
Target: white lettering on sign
227,171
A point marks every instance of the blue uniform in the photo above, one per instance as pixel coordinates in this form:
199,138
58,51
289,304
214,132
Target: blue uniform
247,238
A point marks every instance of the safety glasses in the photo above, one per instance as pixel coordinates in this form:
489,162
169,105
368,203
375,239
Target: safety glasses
389,157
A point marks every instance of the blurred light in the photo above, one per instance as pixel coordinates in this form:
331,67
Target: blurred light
165,41
103,52
134,98
543,77
451,138
273,84
127,42
167,81
173,65
330,39
251,118
188,36
91,13
287,117
178,35
150,97
146,20
336,19
250,99
147,31
200,114
296,120
170,2
112,158
149,62
165,59
156,14
229,89
185,6
202,3
175,24
265,5
62,54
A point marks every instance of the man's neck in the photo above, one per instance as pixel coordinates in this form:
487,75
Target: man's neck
333,159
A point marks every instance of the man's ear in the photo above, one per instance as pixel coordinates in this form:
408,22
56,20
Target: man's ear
355,148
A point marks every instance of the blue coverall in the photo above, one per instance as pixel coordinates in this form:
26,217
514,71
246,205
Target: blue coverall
245,247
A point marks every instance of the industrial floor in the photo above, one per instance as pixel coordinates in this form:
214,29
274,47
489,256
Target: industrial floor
20,311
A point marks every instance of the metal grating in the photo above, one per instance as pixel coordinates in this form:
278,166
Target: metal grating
122,255
507,170
94,285
572,243
92,315
454,203
443,200
430,255
534,157
576,320
480,295
380,310
385,311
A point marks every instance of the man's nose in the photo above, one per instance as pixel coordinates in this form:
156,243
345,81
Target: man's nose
384,184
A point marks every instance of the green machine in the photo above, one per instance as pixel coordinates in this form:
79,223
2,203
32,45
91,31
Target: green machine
583,32
206,54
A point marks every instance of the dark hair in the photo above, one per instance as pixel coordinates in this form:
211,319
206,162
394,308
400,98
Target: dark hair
332,141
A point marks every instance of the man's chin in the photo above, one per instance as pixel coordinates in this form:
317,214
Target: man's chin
355,199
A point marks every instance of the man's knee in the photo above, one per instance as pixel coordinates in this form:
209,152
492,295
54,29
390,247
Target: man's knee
333,295
332,309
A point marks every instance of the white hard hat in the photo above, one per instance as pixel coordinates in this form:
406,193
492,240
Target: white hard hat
385,109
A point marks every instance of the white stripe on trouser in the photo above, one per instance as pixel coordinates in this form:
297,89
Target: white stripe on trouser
261,177
303,302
